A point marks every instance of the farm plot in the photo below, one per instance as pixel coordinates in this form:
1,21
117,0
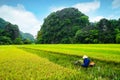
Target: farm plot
105,69
16,64
105,52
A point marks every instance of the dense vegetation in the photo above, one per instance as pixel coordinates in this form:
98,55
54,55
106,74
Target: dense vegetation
71,26
10,34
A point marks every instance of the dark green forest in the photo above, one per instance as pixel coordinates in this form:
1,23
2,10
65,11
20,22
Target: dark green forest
69,25
10,34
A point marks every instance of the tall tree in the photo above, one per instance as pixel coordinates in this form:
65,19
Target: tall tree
106,31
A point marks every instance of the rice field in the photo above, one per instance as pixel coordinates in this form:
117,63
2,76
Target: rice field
105,52
56,62
16,64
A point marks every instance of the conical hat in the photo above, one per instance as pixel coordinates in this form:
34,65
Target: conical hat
85,56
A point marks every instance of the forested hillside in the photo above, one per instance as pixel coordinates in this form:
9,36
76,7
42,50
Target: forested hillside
27,37
10,34
69,25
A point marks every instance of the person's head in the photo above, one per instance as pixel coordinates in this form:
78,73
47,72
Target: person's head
85,56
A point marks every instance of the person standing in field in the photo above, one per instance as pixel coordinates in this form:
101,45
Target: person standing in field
86,61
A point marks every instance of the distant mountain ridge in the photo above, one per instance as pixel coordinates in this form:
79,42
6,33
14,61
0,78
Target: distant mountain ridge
10,34
27,36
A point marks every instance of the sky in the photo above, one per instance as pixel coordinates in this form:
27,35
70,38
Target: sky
29,15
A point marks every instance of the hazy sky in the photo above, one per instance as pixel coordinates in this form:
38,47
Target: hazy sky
29,14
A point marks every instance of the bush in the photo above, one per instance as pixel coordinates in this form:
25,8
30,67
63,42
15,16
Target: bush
118,38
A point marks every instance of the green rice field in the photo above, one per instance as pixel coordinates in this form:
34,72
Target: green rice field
56,62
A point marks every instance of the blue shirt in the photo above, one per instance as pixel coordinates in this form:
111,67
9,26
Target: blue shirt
86,62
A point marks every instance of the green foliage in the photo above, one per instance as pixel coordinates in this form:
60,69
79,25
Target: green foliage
117,35
12,31
87,34
3,23
118,38
18,41
106,31
5,40
61,26
27,41
71,26
8,33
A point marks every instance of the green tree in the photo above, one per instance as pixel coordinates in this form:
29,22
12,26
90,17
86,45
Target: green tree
18,41
5,40
27,41
12,30
61,26
117,35
88,34
118,38
106,31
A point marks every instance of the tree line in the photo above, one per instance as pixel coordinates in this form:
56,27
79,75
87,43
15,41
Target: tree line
69,25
